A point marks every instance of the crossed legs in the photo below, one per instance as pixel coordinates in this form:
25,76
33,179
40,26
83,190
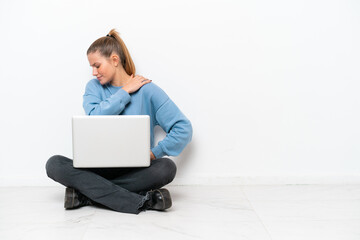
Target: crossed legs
116,188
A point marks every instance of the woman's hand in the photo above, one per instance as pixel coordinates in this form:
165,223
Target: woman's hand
152,156
135,83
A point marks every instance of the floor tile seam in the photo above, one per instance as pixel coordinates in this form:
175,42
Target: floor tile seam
257,215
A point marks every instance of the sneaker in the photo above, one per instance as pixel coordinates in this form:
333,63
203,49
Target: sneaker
160,199
74,199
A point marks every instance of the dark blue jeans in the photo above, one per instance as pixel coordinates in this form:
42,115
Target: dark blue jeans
116,188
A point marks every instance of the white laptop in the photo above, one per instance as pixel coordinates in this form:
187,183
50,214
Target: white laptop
101,141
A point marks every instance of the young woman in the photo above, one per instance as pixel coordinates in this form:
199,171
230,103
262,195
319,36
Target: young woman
118,90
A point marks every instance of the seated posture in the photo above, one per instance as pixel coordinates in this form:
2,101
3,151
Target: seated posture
117,90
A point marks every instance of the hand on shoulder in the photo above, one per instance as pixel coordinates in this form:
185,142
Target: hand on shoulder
135,83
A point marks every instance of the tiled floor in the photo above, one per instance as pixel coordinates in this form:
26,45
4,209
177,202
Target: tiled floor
282,212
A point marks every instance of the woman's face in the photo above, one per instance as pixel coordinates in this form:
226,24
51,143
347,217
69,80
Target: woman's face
103,68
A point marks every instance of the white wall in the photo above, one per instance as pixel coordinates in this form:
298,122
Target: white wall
271,87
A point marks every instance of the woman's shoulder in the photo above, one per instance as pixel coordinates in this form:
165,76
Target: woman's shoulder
151,87
93,86
154,92
93,83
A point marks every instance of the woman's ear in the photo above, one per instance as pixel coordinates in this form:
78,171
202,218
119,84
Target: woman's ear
115,60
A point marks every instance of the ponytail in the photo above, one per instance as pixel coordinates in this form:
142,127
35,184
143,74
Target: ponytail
113,43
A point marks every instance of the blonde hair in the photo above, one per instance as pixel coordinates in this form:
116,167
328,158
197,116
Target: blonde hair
112,43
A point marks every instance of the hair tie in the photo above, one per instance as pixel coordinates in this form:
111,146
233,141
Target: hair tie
110,36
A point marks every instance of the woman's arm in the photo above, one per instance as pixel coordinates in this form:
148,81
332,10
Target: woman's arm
113,105
177,127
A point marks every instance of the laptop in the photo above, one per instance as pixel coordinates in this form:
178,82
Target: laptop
104,141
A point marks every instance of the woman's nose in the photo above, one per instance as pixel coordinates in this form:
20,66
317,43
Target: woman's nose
95,72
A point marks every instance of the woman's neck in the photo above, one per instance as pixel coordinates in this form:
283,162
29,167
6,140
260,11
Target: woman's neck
121,78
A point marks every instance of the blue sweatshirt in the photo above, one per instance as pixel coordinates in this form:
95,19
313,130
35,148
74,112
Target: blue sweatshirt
148,100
